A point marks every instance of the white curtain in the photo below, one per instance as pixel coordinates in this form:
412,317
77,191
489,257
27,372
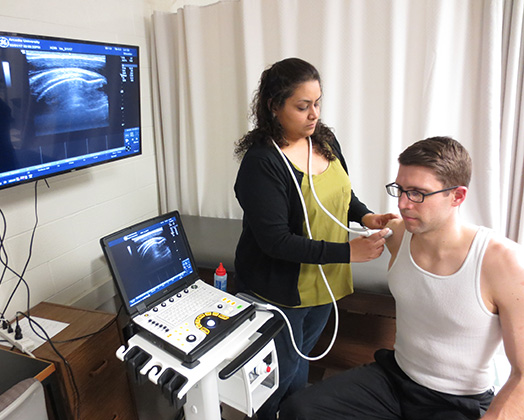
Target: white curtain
394,71
512,131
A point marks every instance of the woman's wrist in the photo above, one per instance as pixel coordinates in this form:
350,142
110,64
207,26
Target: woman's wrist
362,220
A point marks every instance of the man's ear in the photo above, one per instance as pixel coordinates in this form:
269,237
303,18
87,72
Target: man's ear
459,195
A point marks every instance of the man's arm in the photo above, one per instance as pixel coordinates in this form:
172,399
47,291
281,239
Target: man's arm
503,290
394,241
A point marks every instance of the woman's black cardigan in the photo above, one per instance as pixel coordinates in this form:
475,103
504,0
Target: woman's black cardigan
272,244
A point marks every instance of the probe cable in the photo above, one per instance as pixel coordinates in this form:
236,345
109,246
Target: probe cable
335,307
363,231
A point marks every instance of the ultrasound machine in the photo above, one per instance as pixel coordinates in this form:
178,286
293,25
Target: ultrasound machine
198,344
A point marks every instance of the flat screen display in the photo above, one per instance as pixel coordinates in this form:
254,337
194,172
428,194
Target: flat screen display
65,105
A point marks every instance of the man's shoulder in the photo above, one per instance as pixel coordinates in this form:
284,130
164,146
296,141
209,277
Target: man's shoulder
502,277
394,241
502,267
396,224
502,250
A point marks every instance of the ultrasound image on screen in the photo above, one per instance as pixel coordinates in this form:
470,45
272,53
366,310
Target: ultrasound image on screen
65,105
154,251
150,261
69,90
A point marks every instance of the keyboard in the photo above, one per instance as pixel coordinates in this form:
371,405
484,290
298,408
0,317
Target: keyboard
177,309
185,320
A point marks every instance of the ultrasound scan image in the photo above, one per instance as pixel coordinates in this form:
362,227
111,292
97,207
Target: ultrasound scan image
69,90
154,252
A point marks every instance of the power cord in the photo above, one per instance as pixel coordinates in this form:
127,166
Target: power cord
15,337
70,340
5,262
44,336
18,335
69,370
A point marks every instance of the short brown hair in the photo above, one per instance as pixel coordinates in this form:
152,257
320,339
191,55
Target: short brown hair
445,156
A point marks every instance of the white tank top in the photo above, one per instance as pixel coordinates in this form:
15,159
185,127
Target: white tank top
446,337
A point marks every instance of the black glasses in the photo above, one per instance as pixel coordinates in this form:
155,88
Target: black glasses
396,191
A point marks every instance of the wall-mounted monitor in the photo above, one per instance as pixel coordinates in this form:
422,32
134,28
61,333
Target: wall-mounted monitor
65,105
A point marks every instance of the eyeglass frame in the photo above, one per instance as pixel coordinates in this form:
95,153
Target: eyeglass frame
424,195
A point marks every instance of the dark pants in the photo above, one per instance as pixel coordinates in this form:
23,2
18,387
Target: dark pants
380,391
307,324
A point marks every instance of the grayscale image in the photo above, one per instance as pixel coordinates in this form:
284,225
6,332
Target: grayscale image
155,251
69,90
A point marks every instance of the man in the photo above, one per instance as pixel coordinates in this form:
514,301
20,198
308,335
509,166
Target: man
459,291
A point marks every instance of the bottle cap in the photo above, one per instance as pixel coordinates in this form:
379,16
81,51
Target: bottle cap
220,271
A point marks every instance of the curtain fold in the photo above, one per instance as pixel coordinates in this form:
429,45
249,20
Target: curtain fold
393,72
166,67
512,128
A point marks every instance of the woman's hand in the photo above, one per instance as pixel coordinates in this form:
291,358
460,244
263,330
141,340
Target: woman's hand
364,249
378,221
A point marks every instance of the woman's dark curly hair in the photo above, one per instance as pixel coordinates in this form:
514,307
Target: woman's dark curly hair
277,84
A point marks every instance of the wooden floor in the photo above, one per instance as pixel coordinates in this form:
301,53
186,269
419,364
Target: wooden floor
366,324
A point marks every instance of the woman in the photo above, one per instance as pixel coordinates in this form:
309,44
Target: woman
275,259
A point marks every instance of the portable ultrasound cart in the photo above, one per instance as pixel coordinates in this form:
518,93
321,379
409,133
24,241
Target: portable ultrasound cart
199,344
241,370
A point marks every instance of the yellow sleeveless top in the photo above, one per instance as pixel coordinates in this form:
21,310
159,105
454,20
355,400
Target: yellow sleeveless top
333,189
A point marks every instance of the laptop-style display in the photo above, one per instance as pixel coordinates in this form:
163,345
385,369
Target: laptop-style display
157,279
